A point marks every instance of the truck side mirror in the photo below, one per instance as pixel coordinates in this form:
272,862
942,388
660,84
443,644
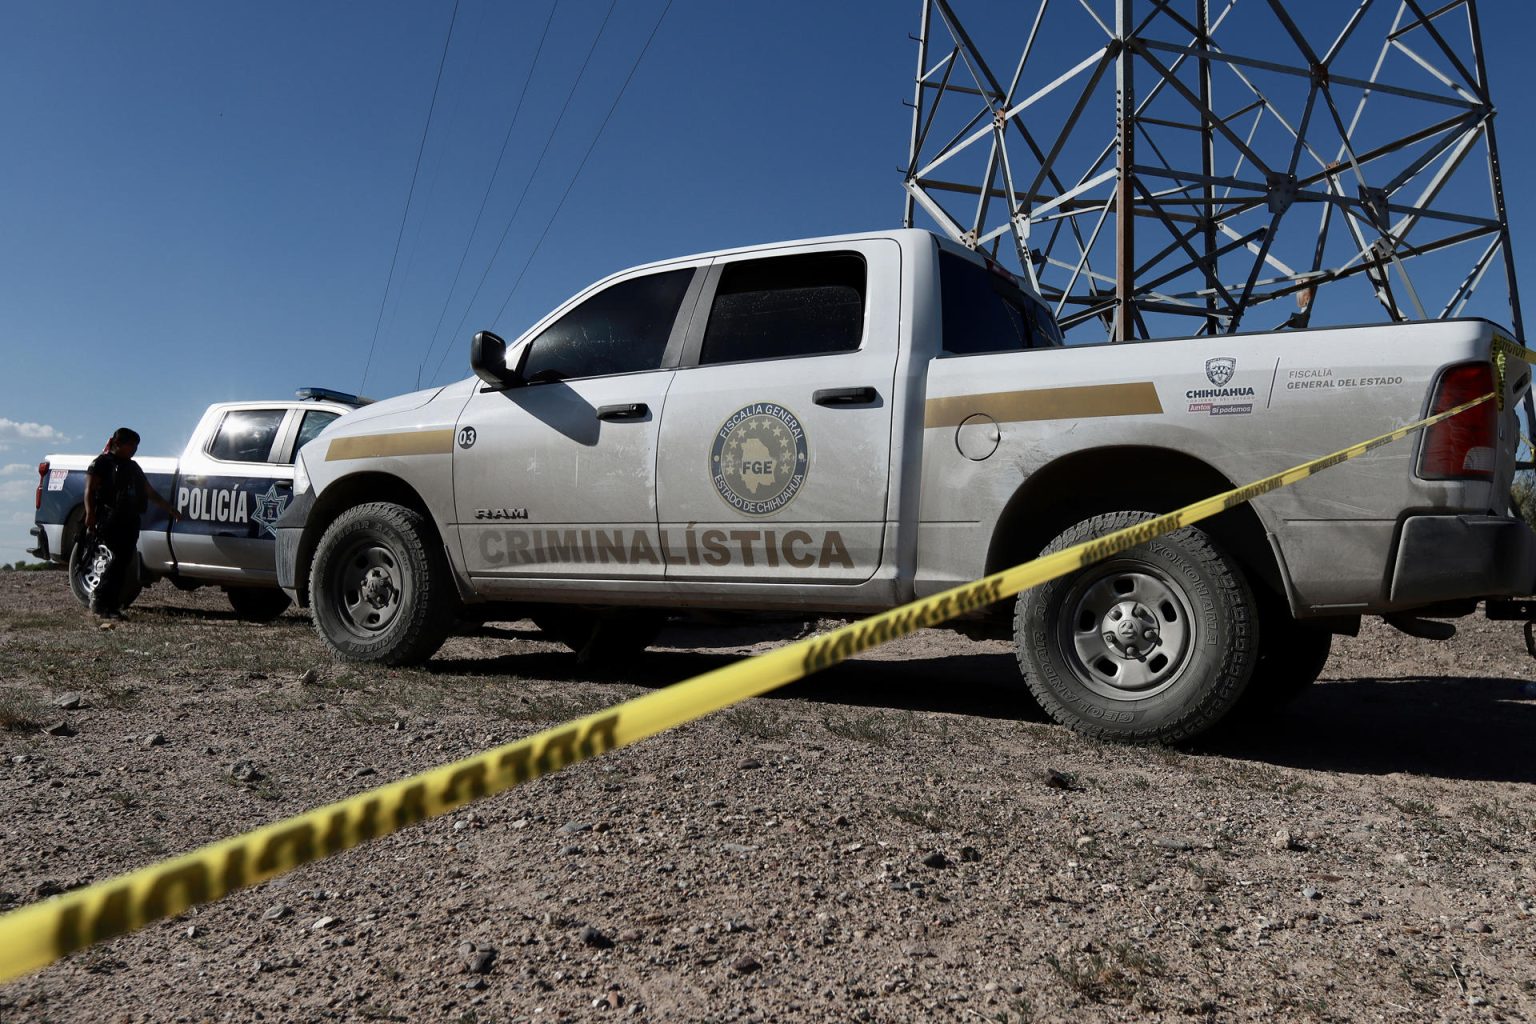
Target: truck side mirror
488,358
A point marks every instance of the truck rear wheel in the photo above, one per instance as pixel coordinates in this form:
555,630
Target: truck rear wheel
1291,656
1153,645
600,639
257,604
379,586
87,561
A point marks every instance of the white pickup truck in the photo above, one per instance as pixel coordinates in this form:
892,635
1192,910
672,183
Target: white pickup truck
838,425
230,485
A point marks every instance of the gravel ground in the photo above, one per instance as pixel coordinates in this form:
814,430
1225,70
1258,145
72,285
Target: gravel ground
900,839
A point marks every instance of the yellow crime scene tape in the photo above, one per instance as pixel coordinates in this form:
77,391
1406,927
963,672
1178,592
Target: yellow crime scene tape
40,934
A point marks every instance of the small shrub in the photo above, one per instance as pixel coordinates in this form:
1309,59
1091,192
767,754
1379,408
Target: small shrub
757,722
21,713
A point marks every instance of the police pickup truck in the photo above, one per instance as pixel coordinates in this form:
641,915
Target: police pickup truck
231,483
836,426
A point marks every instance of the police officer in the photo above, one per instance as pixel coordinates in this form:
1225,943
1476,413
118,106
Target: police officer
116,496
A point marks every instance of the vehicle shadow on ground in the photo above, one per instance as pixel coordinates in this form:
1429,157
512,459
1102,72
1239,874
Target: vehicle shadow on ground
1473,728
1450,727
985,685
180,613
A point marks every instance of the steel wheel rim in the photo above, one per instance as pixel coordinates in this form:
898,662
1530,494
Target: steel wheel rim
95,568
1129,601
368,587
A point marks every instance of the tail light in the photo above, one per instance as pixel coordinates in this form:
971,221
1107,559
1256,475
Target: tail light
1464,446
42,478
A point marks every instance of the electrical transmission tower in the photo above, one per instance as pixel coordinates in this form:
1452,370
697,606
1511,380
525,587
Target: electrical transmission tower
1169,167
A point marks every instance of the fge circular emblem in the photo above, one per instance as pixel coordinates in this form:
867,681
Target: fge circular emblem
758,459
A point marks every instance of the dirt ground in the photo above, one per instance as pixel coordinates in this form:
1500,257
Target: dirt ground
1366,856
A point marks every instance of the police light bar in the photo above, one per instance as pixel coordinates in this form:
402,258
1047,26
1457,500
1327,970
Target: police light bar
329,395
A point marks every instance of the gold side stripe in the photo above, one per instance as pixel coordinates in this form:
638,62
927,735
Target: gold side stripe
1077,403
405,442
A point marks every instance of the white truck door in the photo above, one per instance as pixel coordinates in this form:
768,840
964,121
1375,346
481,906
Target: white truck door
230,491
775,445
556,478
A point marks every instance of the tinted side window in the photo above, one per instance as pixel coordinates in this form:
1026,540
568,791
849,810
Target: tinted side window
246,435
622,329
315,420
986,312
786,306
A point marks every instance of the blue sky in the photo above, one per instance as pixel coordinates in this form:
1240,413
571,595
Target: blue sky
199,202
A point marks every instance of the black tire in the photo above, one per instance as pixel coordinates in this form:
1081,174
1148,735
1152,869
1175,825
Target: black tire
84,569
1291,656
1153,645
379,588
600,639
257,604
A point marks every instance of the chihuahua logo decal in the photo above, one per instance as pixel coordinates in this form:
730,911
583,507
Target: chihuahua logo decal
758,459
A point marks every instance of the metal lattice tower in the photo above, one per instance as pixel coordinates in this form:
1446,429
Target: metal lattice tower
1264,150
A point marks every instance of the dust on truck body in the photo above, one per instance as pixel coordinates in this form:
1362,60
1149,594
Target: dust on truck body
837,426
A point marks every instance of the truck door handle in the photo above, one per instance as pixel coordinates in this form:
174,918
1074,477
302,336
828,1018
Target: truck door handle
627,411
845,396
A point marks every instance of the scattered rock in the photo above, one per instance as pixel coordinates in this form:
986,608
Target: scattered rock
614,1000
363,772
1477,925
60,728
570,851
153,739
590,936
749,764
245,771
69,701
841,821
935,859
323,923
481,960
738,848
745,965
572,828
310,678
1311,893
276,912
1061,780
970,854
191,931
1284,840
1176,845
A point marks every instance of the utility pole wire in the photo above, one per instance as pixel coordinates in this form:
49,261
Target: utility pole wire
406,213
517,111
580,167
526,185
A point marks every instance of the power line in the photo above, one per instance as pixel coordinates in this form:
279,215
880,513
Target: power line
405,214
517,111
526,185
550,223
571,184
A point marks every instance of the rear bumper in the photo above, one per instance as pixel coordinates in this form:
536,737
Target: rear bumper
41,551
1448,558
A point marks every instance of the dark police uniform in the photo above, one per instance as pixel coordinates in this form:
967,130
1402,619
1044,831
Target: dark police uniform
122,496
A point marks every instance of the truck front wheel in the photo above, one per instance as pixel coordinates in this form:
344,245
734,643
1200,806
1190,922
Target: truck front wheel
1153,645
379,586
